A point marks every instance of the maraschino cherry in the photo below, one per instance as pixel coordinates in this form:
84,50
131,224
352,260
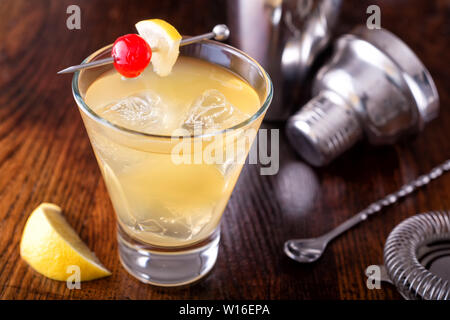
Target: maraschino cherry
131,55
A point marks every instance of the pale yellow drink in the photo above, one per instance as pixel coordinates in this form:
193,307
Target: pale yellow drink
158,201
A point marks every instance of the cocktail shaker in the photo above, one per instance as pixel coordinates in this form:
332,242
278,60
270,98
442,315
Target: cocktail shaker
285,37
373,86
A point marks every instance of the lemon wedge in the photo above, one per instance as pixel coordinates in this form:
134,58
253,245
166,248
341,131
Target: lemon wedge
165,39
51,247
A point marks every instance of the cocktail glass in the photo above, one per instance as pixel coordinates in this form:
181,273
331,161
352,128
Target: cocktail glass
169,213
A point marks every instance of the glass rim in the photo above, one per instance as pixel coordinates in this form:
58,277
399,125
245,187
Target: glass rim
242,55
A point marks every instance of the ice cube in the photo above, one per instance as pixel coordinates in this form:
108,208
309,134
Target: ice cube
169,224
141,111
212,110
174,228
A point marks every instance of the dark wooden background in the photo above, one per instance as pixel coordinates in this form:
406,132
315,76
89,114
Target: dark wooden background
45,155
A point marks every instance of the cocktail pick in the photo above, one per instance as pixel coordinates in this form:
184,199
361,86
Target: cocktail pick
220,32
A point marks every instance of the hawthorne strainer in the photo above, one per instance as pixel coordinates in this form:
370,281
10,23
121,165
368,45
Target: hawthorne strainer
417,257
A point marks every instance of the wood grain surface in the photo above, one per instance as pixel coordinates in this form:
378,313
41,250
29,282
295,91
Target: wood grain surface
45,155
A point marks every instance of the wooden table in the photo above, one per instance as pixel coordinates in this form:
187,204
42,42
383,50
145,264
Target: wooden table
45,155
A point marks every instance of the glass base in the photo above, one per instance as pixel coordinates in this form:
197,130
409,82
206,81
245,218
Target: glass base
171,267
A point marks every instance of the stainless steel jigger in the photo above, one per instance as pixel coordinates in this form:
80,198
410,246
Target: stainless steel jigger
373,86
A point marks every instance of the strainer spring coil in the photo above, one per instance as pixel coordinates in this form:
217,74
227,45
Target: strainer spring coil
401,259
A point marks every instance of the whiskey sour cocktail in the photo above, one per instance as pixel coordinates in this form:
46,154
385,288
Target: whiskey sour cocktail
170,144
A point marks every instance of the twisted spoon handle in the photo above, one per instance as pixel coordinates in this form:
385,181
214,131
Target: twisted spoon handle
388,200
